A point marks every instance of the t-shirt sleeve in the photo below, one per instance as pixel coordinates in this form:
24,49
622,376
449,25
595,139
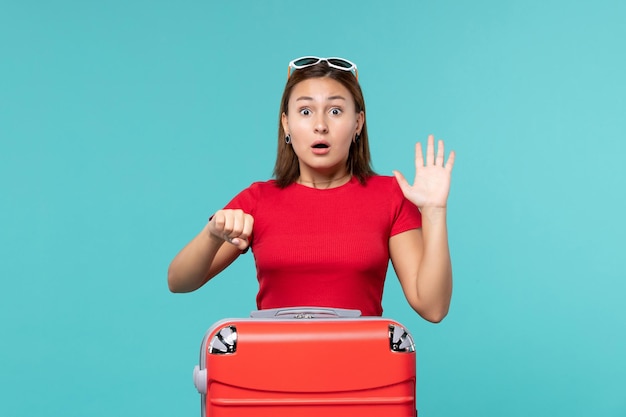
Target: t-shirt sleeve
406,214
246,200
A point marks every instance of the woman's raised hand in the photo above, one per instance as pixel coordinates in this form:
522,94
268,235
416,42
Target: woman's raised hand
432,179
232,226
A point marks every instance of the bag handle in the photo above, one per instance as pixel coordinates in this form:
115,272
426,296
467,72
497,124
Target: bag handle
305,313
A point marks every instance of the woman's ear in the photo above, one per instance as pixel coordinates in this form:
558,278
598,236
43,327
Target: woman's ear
360,121
283,120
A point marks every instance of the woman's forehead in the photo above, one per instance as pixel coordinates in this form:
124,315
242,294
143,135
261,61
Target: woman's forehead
320,89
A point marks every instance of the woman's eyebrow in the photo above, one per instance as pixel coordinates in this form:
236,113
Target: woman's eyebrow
305,98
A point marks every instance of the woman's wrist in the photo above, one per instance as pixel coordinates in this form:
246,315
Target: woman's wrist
433,215
211,237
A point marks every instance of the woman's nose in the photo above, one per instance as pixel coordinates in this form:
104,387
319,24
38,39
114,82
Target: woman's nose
320,125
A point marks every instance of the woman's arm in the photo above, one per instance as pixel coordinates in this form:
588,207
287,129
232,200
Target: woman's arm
421,258
207,255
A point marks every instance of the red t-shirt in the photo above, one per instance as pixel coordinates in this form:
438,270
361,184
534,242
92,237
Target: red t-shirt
326,248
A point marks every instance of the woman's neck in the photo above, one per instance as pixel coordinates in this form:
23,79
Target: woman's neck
325,182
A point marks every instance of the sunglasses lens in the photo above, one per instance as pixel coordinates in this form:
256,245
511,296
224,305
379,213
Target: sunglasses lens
341,63
306,61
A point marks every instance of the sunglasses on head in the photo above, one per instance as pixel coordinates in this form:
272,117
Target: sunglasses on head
334,62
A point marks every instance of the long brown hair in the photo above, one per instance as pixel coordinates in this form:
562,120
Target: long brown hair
287,168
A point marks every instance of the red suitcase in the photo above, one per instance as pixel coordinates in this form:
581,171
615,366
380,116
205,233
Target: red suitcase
307,362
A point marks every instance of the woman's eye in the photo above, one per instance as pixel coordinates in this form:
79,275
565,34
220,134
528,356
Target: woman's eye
335,111
305,112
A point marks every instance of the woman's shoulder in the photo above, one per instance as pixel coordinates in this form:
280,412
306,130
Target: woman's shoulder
267,184
379,179
384,186
261,188
382,182
249,196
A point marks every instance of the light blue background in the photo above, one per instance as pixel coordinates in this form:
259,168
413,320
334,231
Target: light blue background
124,124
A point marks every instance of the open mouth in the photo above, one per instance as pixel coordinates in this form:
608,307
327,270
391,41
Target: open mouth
320,146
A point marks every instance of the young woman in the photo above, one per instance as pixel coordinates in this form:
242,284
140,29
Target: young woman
323,231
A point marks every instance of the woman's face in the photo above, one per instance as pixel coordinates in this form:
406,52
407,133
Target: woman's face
322,121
